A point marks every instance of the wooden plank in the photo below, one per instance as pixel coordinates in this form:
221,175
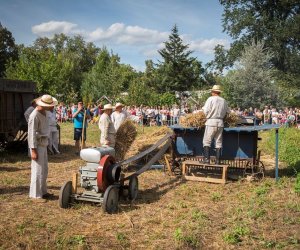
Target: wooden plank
204,179
74,183
168,164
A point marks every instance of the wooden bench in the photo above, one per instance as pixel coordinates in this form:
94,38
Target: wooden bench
189,165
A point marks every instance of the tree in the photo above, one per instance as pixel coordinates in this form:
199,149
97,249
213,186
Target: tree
179,71
252,84
8,49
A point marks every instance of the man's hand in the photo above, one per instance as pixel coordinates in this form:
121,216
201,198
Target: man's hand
106,142
34,154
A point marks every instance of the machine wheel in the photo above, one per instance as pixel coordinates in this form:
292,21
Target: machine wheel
133,188
111,199
65,195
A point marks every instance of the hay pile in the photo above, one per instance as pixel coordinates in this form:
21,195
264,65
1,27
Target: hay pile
231,120
145,141
125,136
198,120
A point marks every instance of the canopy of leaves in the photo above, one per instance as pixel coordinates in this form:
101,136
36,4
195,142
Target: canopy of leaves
8,49
252,84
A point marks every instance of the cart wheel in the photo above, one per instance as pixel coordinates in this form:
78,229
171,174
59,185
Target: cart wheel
260,170
111,199
133,188
65,195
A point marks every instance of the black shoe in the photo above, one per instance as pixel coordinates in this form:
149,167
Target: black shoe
206,155
47,195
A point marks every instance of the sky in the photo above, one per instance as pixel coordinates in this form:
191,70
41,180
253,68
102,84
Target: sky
133,29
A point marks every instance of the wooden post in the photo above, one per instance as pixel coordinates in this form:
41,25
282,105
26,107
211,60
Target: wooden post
83,127
74,183
168,165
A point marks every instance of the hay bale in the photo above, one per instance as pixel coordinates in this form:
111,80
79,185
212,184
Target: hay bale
196,120
231,120
125,136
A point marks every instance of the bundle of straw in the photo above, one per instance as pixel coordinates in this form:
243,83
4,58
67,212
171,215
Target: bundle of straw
231,120
125,136
196,120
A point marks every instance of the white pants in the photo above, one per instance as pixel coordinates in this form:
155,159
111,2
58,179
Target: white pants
53,141
213,133
39,174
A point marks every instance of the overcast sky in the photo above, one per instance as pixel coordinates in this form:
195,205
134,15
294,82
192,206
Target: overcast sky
133,29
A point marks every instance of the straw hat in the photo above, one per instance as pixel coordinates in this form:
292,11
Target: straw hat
107,107
119,104
216,88
46,101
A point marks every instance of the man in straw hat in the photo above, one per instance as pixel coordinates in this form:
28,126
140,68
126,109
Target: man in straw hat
119,115
38,132
53,131
215,110
106,126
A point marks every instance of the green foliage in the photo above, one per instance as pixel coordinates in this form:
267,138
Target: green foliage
277,23
57,65
8,49
297,184
236,234
107,77
189,240
289,146
178,71
251,83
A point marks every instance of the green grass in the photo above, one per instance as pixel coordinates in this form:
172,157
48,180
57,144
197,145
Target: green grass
289,146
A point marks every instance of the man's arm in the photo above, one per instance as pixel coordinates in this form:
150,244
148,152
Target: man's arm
32,138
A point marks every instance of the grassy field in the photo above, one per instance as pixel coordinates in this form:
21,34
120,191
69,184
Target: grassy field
168,213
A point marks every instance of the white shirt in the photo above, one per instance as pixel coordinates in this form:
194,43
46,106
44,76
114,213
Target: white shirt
215,109
118,118
38,130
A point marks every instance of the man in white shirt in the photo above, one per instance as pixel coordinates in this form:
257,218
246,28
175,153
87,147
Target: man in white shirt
38,133
106,126
119,115
215,110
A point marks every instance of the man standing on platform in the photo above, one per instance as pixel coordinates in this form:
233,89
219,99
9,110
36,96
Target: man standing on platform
215,110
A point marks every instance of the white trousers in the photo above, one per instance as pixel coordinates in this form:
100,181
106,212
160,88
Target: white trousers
53,141
213,133
39,174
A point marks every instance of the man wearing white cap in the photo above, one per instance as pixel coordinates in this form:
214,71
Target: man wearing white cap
38,132
106,126
215,110
118,116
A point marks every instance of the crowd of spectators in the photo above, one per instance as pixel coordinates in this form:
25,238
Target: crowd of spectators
169,115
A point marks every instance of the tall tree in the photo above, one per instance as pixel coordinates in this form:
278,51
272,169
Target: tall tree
276,22
252,84
179,71
8,49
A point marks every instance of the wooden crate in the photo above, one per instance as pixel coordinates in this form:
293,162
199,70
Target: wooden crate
194,171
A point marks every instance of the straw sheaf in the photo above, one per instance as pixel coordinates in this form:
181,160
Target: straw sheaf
197,120
125,136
